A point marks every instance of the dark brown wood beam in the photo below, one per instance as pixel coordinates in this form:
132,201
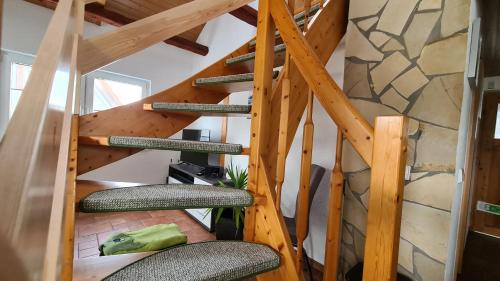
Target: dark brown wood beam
246,14
96,13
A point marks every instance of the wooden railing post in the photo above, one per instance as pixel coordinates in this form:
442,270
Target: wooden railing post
333,231
386,196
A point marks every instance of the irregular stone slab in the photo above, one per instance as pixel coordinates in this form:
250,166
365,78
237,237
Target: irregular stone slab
418,32
346,236
405,258
436,149
378,38
359,182
435,191
351,160
371,110
455,16
349,257
410,82
364,199
393,45
357,45
438,102
416,176
445,56
412,146
372,65
389,69
354,212
454,85
367,23
394,100
395,15
363,8
413,127
359,245
356,80
426,228
429,5
427,268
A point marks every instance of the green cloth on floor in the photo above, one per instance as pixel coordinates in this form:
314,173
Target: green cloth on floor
153,238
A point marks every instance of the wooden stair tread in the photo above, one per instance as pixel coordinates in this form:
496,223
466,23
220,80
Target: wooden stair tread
163,144
200,109
164,197
215,260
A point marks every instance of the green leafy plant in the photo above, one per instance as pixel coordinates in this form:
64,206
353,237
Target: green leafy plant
239,180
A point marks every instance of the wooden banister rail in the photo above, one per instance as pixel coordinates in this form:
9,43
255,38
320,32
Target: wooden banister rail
357,130
104,49
34,155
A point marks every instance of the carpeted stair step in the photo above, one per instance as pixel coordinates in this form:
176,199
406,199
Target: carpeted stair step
206,261
229,83
164,197
299,19
200,109
163,144
279,60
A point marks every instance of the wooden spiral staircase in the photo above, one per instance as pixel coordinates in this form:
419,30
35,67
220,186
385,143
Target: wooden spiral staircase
46,147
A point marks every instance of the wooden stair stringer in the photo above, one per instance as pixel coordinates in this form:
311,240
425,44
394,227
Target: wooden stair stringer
329,26
133,120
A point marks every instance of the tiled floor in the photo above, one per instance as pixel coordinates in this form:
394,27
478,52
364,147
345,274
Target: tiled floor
93,229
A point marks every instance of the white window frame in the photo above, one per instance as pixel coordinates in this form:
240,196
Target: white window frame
7,57
88,87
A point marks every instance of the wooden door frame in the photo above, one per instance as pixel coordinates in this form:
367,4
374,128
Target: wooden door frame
475,222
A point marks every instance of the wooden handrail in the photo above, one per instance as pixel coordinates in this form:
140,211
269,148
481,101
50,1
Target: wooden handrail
357,130
34,152
104,49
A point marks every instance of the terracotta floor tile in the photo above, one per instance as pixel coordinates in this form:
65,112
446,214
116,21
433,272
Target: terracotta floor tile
88,253
158,220
91,237
121,227
102,237
94,228
87,245
137,216
170,213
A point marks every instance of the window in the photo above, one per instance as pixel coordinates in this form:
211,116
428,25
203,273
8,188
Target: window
19,74
497,126
105,90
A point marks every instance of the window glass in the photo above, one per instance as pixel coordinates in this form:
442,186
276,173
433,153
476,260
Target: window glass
19,74
497,126
108,93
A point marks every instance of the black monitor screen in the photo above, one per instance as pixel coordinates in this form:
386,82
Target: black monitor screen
200,159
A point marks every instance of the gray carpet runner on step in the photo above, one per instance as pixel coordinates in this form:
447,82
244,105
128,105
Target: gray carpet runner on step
245,77
207,261
164,197
177,145
201,108
251,56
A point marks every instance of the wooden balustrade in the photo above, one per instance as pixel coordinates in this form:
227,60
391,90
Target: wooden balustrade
334,226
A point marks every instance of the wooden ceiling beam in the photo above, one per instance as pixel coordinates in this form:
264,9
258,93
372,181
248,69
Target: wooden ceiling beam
96,13
246,14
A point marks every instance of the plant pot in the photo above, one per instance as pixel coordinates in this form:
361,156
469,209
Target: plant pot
225,228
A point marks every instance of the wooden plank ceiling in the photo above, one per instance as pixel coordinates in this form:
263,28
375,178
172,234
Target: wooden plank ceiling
122,12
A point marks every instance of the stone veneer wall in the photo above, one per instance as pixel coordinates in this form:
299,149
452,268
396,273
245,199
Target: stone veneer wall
408,57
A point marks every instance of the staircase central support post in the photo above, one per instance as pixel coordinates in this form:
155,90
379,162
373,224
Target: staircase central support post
283,129
332,248
263,224
305,169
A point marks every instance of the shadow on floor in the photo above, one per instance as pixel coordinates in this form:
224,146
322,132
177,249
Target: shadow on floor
481,260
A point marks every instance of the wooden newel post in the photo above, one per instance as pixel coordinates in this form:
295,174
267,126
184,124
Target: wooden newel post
386,196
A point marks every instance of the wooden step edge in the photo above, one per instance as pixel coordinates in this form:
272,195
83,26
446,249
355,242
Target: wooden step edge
94,140
85,187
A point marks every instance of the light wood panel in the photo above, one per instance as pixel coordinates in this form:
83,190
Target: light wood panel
33,153
357,130
334,226
132,120
104,49
386,198
223,136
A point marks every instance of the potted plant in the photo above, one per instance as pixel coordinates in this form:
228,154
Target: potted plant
229,221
